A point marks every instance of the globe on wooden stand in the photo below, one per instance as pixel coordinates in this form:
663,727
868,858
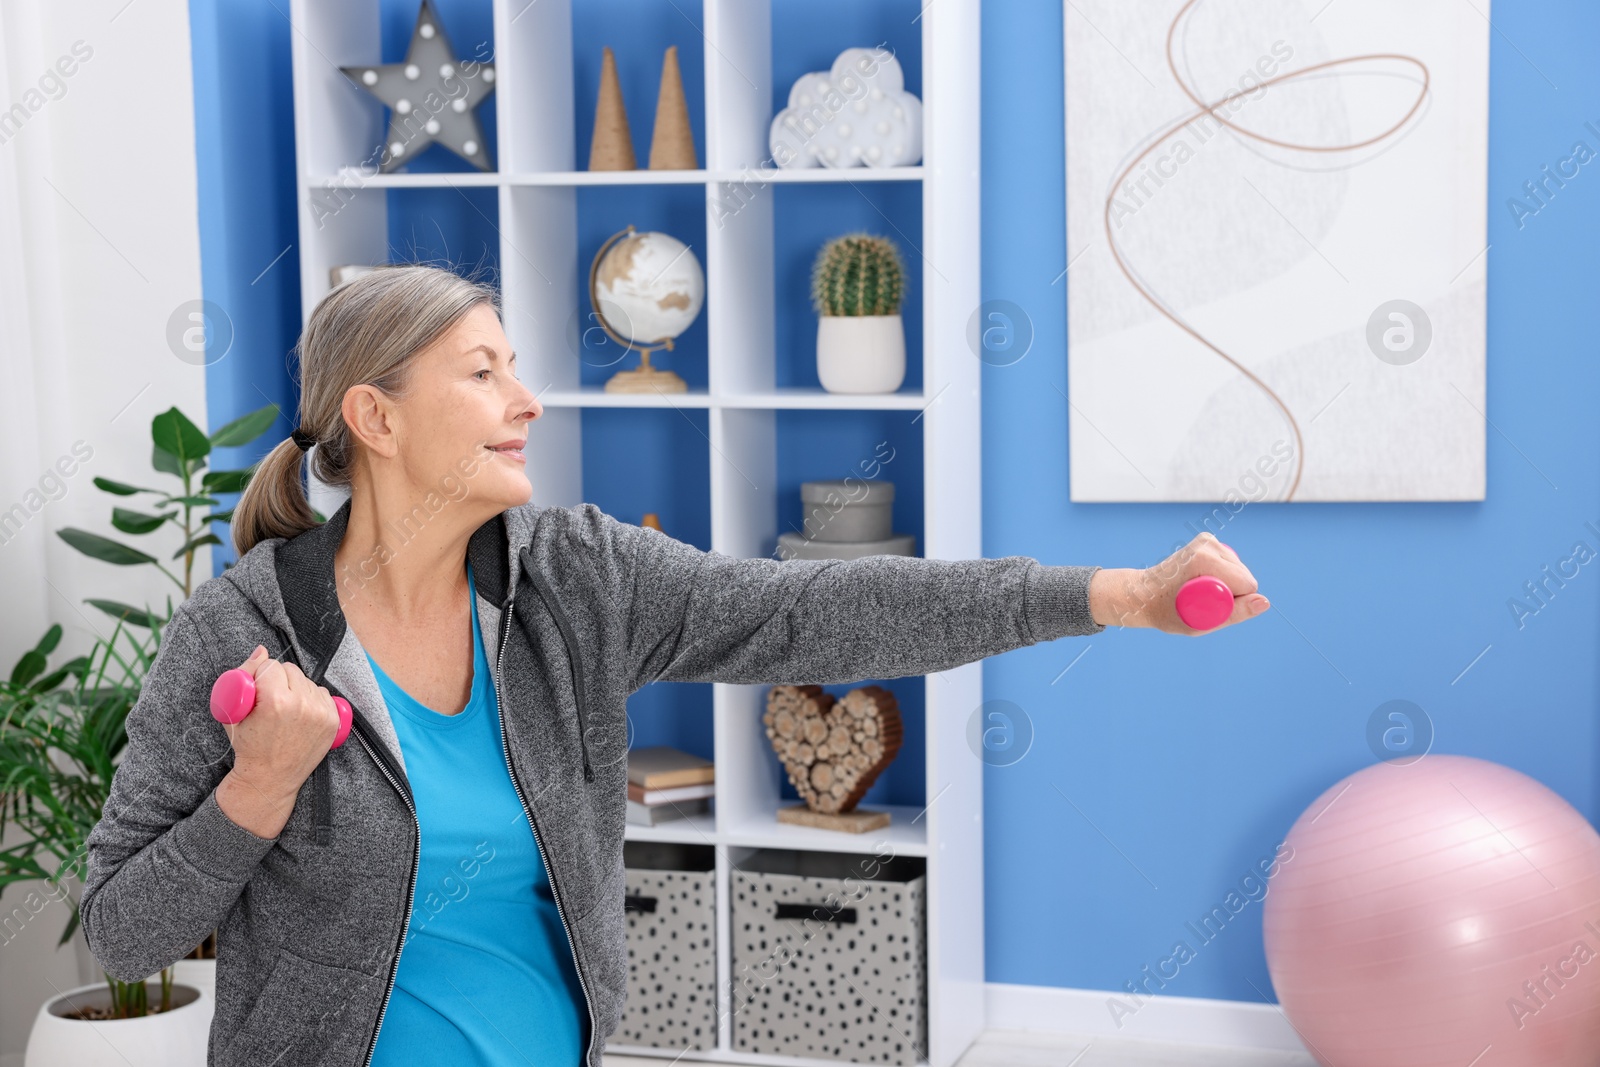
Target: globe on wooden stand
646,289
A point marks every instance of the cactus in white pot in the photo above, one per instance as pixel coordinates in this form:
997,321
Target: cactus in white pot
856,286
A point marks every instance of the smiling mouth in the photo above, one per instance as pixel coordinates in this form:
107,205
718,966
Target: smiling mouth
513,452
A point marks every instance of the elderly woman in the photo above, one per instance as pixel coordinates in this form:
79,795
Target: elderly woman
449,886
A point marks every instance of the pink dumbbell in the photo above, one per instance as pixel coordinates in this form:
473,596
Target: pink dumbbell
233,697
1204,603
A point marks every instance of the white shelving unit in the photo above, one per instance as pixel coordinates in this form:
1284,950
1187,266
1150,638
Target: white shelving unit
336,125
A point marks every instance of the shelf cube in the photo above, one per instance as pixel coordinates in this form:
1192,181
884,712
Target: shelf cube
830,956
672,956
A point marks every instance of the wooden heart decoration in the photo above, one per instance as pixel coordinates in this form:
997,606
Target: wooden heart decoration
833,750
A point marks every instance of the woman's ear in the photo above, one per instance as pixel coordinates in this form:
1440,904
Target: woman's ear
371,416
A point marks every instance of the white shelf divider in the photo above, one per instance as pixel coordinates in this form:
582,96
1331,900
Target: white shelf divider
750,176
953,515
344,219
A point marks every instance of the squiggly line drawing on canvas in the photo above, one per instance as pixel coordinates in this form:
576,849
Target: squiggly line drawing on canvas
1212,109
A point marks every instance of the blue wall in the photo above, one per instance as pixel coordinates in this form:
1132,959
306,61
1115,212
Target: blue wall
1161,769
1189,759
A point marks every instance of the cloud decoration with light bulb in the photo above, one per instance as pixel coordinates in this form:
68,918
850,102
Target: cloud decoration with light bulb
855,114
431,97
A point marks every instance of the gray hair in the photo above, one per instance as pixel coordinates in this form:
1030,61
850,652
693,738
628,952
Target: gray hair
367,331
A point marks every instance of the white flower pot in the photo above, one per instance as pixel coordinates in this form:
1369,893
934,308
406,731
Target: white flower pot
861,353
175,1038
202,974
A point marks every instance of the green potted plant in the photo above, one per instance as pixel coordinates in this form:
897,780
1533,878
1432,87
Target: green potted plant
59,743
857,284
60,733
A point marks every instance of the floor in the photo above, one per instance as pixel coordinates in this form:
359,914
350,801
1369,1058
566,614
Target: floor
1020,1048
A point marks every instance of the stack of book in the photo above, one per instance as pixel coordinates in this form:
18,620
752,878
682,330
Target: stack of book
667,783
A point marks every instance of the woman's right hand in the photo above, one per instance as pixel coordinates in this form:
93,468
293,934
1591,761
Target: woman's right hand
1131,597
276,746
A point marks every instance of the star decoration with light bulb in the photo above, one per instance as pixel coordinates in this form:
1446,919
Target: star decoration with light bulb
431,97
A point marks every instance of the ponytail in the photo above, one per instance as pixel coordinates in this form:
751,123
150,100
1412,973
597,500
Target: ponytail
274,503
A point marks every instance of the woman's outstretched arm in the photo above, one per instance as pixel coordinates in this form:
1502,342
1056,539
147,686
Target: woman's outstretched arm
696,616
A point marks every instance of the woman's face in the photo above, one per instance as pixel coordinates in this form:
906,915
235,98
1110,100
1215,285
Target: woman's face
460,430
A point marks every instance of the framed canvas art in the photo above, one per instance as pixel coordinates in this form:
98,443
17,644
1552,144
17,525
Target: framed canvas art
1276,238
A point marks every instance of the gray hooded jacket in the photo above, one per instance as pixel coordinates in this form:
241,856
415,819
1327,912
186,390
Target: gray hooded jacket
584,610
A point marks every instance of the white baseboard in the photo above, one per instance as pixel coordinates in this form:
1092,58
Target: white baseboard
1191,1020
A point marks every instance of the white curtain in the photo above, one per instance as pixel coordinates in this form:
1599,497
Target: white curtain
99,245
30,333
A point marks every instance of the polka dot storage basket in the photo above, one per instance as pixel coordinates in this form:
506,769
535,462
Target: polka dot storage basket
829,956
670,902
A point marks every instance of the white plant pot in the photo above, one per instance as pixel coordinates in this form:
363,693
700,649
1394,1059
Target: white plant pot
175,1038
861,353
202,974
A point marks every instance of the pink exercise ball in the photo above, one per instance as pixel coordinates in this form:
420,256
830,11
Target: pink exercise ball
1439,913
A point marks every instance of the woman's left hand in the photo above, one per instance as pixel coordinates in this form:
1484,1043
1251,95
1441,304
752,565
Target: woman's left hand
1126,596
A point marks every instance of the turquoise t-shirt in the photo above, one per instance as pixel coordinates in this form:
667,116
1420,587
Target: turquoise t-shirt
486,976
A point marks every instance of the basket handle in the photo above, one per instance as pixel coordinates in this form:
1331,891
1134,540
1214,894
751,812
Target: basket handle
820,912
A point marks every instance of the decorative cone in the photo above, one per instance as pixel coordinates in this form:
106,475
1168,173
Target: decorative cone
612,145
672,143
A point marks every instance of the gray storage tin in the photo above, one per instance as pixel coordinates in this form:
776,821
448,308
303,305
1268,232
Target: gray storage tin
670,902
829,956
847,509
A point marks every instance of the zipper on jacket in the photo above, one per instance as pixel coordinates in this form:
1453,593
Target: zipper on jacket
405,924
500,659
325,819
574,664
